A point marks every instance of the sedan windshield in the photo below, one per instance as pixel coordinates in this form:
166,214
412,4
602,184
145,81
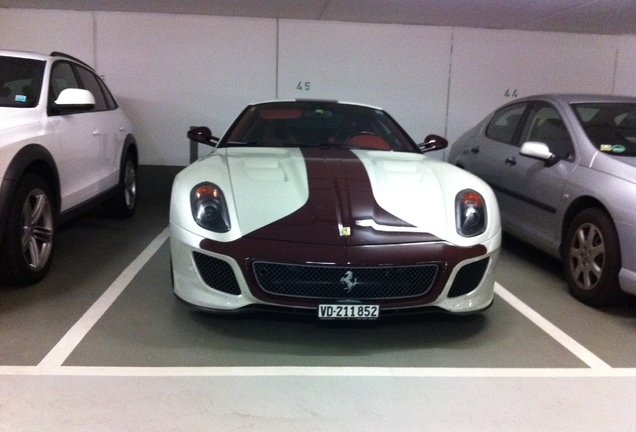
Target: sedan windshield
317,123
20,82
611,127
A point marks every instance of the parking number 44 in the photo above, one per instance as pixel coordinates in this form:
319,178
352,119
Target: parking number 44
510,93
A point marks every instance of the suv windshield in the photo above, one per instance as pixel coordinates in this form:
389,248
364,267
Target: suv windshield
20,82
317,123
610,126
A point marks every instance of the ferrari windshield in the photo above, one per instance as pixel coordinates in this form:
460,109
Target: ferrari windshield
317,123
20,82
610,126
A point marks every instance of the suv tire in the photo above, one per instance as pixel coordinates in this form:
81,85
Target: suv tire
124,203
29,233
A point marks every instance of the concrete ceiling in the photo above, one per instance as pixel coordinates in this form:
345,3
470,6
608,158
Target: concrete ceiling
609,17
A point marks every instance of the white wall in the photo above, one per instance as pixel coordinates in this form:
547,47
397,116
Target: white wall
46,31
170,72
625,82
403,69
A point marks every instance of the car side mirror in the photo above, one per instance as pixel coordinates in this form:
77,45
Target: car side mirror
73,100
433,142
203,135
540,151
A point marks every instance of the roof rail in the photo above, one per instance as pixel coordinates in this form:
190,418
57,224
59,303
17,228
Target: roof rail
68,56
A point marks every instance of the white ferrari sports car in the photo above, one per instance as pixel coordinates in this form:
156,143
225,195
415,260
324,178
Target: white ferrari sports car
331,209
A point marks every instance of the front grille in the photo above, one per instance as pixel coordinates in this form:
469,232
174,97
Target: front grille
468,278
345,282
216,273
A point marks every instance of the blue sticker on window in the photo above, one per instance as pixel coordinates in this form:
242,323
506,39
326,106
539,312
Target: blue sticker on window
20,98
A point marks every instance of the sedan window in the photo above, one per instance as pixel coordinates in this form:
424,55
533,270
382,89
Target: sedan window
504,123
546,125
611,127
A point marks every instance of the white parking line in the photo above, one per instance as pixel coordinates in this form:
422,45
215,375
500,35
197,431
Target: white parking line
52,363
318,371
573,346
74,336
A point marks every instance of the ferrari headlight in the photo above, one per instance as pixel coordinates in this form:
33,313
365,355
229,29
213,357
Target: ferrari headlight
208,207
470,213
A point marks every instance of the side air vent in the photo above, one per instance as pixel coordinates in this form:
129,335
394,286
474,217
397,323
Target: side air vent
216,273
468,278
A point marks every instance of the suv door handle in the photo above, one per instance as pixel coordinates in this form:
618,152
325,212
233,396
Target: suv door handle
511,161
96,132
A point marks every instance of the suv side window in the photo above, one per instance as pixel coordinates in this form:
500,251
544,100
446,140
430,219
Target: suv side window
504,123
62,77
546,125
110,100
90,83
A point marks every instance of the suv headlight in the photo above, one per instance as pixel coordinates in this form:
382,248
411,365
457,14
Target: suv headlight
470,213
208,207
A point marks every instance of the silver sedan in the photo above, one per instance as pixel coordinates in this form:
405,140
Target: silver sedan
563,168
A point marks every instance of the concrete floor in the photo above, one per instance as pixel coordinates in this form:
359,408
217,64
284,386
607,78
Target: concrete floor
102,345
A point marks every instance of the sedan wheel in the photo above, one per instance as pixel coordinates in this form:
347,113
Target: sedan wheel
592,258
28,240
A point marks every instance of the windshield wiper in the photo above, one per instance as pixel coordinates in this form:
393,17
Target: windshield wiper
246,143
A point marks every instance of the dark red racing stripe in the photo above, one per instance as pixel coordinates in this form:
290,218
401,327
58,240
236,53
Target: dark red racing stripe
339,195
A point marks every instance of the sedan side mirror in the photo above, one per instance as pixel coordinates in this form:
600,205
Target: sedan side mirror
433,142
203,135
540,151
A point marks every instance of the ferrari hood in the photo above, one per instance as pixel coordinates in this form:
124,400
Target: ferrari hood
336,196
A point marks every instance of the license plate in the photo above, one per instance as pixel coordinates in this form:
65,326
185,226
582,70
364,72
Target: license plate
338,311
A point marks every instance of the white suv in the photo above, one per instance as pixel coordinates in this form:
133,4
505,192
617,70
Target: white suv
65,145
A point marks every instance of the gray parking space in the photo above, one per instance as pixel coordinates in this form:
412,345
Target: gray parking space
146,326
538,281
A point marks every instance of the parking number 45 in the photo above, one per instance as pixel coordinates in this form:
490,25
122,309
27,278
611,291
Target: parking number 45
303,86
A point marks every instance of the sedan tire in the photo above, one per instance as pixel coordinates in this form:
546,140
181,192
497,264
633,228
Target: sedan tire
28,240
592,258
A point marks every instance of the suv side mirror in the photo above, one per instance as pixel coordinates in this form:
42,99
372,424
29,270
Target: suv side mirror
433,142
73,100
540,151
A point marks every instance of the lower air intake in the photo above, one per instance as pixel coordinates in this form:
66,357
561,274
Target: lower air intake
468,278
216,273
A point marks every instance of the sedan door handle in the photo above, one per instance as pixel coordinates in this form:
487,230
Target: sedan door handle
96,132
474,150
511,161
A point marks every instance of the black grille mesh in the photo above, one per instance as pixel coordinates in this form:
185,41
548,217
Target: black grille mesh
345,282
216,273
468,278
